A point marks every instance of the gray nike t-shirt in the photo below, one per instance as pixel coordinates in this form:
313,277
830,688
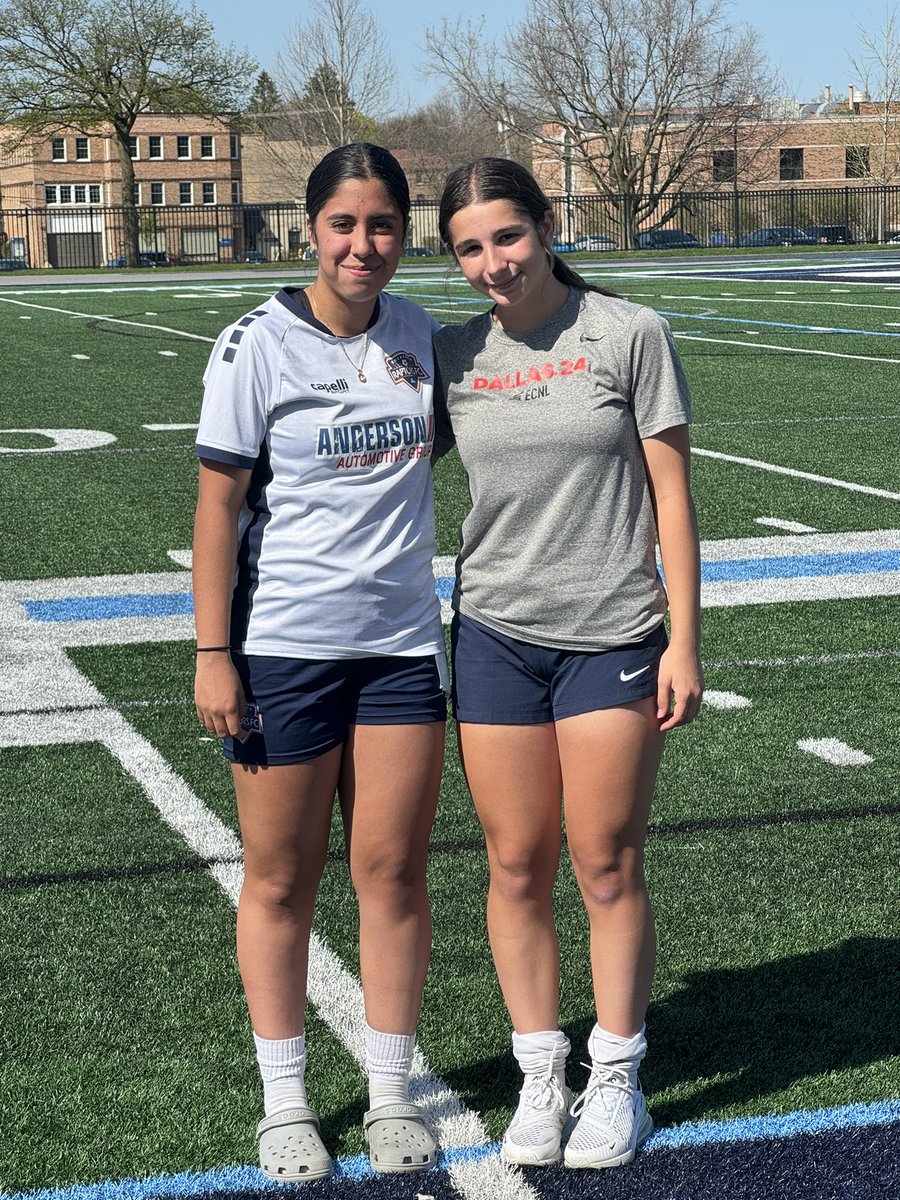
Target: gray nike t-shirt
559,546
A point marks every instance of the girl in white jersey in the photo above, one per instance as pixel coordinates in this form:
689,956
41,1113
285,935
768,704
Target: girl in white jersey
569,409
319,642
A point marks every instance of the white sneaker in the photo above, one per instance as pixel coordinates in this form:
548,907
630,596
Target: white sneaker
612,1118
535,1132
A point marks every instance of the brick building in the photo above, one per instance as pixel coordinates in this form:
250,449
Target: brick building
186,168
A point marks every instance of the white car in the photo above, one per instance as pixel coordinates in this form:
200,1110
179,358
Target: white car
596,242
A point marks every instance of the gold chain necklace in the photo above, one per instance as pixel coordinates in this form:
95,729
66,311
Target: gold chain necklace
360,375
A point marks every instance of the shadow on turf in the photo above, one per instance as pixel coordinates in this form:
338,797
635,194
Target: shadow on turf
751,1033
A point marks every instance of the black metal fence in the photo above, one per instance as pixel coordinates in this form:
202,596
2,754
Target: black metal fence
92,236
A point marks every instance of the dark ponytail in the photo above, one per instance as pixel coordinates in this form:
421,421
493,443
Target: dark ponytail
489,179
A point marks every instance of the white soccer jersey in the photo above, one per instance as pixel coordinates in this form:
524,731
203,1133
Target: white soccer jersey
336,535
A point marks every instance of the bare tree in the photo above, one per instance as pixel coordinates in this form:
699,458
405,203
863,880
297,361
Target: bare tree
335,69
877,65
451,130
632,95
95,65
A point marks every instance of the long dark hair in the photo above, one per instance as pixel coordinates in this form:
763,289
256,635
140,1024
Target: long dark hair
359,160
489,179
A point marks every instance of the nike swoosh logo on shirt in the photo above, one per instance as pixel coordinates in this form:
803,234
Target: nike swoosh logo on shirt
626,676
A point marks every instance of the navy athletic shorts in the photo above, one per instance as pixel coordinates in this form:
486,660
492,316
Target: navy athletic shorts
306,706
499,680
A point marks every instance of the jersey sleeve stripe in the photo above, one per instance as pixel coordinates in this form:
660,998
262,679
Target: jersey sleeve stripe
229,457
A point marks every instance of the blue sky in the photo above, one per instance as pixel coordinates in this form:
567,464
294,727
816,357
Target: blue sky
809,42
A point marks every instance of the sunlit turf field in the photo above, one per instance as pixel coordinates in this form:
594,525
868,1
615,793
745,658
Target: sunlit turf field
774,850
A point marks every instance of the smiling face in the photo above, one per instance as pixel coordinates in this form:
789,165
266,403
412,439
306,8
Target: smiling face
504,256
359,234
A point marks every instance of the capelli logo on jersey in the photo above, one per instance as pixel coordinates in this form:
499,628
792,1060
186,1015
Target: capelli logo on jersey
404,367
338,385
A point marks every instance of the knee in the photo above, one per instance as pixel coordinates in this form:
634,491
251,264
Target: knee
277,888
605,879
522,878
387,877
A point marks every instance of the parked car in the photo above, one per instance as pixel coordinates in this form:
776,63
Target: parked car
778,235
418,252
595,242
563,247
719,239
255,256
667,239
146,258
13,264
831,235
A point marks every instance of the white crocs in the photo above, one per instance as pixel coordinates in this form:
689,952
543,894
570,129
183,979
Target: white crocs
399,1139
290,1148
612,1118
536,1130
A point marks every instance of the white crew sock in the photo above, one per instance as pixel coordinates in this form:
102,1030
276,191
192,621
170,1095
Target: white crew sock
388,1064
535,1052
282,1063
608,1048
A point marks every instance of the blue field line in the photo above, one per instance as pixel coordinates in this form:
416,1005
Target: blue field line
800,566
238,1180
178,604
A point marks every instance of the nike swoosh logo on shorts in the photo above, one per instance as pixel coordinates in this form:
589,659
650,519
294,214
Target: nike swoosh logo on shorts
626,676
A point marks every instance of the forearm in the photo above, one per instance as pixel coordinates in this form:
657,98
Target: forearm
214,557
679,547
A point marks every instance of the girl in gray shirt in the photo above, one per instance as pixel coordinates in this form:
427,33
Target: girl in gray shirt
569,408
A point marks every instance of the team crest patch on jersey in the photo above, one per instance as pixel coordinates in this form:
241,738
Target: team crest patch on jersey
404,367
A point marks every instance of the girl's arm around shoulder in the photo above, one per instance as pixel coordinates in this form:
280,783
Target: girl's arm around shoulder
218,695
667,459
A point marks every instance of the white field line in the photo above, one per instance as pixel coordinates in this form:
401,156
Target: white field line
788,526
812,478
725,700
834,751
195,337
799,660
42,676
811,301
693,337
861,418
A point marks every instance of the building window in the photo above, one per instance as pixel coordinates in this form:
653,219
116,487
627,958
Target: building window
68,193
155,149
235,146
207,147
235,191
856,164
157,193
82,151
723,166
209,191
137,193
133,146
183,145
791,164
185,193
58,150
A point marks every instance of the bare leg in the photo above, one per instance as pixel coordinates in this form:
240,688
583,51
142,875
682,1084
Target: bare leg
514,777
285,814
610,761
389,785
